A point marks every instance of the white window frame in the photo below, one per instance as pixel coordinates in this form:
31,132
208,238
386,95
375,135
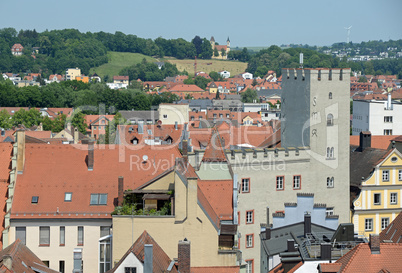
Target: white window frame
296,182
165,116
368,224
384,223
44,235
249,217
385,175
329,211
249,240
388,119
245,185
330,182
279,183
400,175
393,198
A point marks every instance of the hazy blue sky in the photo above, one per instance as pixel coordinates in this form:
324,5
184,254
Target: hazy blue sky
247,23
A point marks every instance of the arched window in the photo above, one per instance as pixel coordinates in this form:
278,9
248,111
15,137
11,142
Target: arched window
330,120
330,95
134,141
330,182
331,154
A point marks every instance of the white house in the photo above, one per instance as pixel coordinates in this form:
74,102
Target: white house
247,76
380,117
224,74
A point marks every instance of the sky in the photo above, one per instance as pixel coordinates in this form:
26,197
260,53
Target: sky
247,23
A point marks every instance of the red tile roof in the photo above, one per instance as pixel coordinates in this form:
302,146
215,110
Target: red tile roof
23,260
377,142
214,152
163,132
215,269
120,78
360,259
186,88
219,194
160,261
94,119
66,170
330,267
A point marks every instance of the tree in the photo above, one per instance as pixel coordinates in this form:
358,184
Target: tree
216,53
223,52
254,82
362,79
214,75
201,82
197,41
5,119
217,95
78,121
249,95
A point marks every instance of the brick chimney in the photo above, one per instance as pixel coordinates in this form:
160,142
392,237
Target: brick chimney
374,244
76,136
307,223
148,258
20,150
184,256
291,245
326,249
91,155
185,151
120,194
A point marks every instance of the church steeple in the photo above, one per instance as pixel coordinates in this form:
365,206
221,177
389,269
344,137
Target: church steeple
228,42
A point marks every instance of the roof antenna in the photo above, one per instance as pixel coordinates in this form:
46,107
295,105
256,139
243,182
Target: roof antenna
301,59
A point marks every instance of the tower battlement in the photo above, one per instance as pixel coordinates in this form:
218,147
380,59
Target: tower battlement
315,74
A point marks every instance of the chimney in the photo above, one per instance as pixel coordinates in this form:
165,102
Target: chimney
8,261
374,244
326,251
184,256
148,258
291,245
175,125
20,151
3,132
185,150
76,136
120,191
140,127
90,155
307,223
267,216
389,102
364,141
267,233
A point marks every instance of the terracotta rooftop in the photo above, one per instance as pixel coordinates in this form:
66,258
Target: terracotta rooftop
66,171
214,152
219,194
377,142
186,88
23,260
215,269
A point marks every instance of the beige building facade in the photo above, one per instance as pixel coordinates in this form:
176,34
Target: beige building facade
171,114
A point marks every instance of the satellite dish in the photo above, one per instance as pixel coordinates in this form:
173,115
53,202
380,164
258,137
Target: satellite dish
144,157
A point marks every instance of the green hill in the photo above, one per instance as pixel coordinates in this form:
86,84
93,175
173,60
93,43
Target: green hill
117,61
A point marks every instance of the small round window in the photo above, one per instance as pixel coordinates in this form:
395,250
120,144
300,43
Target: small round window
394,159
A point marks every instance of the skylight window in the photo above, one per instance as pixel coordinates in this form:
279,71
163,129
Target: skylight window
98,199
35,199
68,196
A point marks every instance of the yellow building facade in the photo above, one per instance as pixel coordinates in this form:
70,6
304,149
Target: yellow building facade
380,199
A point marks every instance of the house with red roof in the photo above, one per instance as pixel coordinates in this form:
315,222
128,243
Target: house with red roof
97,124
186,88
121,80
17,49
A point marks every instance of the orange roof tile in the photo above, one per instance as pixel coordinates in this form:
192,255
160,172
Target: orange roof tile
214,152
219,194
360,259
162,132
186,88
66,170
330,267
377,142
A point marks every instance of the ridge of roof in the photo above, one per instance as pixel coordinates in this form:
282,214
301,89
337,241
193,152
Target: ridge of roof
214,152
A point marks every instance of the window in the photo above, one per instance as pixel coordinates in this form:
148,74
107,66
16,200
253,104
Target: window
130,270
329,211
377,198
249,240
61,266
387,132
105,256
221,115
385,175
245,185
20,233
35,199
330,152
330,182
296,182
249,266
98,199
384,223
388,119
164,116
104,231
400,175
80,241
250,217
393,198
330,120
44,236
330,95
62,236
368,224
214,115
68,196
279,183
192,117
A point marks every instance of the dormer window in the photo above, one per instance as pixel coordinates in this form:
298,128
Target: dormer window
98,199
35,199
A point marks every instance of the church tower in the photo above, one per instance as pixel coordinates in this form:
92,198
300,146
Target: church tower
212,41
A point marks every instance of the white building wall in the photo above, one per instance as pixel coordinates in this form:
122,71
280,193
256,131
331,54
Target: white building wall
55,252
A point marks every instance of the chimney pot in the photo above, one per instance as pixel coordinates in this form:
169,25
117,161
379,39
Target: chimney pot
148,258
375,243
364,141
307,224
